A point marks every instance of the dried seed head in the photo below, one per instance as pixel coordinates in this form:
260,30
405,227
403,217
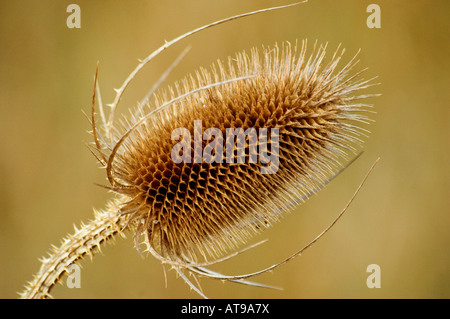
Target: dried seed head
221,156
308,116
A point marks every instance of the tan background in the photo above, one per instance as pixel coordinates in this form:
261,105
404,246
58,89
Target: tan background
399,221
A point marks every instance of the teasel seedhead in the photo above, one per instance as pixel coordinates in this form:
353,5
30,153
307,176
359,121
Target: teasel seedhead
201,167
187,206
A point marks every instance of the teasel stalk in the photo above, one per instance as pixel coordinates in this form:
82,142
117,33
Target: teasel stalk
190,214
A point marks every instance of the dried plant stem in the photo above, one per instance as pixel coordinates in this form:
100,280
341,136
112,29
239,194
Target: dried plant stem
85,241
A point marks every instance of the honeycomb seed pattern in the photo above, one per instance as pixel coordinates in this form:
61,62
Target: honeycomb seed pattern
203,209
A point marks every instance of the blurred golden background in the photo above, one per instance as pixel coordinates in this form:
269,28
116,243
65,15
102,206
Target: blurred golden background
400,220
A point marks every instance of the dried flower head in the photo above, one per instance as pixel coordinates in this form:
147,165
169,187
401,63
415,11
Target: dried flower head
195,206
202,166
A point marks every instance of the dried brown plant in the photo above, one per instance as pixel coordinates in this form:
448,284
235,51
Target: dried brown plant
189,214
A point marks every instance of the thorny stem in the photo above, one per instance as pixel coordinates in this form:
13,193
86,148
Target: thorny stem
84,241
